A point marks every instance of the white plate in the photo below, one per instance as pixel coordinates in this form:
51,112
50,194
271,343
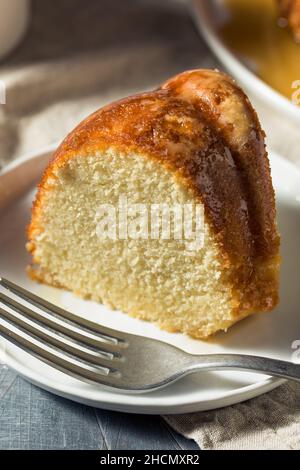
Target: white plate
266,334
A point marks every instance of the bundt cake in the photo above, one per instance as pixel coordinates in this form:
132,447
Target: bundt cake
194,142
290,10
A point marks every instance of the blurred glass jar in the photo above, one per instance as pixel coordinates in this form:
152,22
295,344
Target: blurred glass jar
14,18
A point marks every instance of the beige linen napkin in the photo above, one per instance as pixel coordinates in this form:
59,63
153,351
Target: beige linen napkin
71,64
269,422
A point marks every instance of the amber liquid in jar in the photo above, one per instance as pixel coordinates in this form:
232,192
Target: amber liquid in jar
253,33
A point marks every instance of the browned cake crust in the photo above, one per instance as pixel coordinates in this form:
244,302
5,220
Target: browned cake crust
290,9
201,126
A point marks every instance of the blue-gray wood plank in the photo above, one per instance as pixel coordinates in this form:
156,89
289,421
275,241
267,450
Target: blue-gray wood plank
31,418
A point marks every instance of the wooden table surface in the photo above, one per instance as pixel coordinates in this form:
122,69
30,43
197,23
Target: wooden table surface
31,418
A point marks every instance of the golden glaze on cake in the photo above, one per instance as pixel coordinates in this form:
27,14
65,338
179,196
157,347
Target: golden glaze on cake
203,128
290,9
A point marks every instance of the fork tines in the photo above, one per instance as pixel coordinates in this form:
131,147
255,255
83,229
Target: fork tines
63,340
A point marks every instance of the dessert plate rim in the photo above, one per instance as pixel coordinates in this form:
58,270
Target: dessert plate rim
158,402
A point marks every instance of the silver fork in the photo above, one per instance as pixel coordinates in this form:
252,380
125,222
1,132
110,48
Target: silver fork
96,354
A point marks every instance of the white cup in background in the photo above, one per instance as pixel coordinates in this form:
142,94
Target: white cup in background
14,18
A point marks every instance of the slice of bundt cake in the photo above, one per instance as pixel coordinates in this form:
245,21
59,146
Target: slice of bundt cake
290,10
101,219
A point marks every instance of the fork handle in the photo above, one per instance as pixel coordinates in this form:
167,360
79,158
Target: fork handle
262,365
